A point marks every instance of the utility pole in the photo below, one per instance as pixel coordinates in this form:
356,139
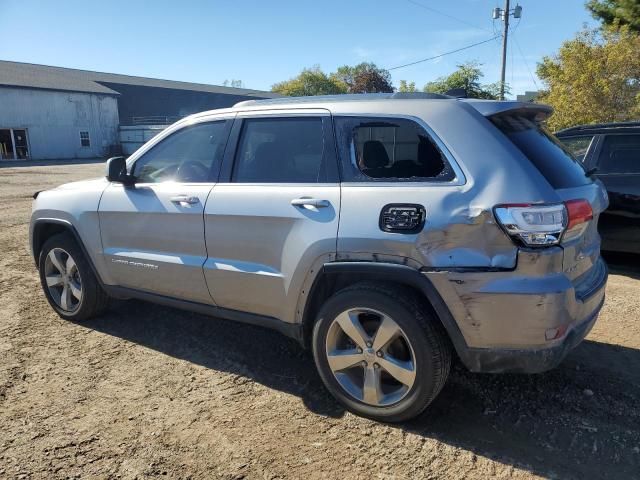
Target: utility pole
504,16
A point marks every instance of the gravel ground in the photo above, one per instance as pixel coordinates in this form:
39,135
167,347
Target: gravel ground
149,391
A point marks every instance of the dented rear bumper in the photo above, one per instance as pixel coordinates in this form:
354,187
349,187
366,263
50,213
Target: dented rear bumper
508,319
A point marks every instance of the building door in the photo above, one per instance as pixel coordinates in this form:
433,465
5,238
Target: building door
20,144
13,144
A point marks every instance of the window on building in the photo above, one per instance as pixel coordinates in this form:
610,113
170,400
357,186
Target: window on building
84,139
620,154
191,154
578,146
280,150
390,149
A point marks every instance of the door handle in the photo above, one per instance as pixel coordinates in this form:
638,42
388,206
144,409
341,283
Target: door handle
310,202
185,199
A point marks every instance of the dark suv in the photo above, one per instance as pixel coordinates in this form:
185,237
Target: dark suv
612,152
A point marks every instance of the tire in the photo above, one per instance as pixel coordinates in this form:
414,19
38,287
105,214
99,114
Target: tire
421,346
80,281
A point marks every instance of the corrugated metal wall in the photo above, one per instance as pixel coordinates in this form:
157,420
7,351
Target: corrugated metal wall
54,121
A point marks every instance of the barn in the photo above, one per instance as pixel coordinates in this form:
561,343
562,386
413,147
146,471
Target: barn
51,112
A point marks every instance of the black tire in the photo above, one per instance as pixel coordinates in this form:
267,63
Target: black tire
428,339
94,300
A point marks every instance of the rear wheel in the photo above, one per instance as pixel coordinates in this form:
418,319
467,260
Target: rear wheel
68,280
379,352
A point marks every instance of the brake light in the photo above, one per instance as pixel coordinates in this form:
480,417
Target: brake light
580,213
542,225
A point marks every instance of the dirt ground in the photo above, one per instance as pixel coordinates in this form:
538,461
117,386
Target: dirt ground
147,391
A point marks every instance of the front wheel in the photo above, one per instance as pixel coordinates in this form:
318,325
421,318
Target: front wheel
379,352
68,281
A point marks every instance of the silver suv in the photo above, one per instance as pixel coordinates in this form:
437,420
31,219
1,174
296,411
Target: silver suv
384,232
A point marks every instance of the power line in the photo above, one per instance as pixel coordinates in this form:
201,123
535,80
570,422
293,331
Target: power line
446,53
526,64
446,15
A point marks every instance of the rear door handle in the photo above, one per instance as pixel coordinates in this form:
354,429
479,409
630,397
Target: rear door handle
310,202
185,199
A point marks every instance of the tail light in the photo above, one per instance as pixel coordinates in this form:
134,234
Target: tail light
542,225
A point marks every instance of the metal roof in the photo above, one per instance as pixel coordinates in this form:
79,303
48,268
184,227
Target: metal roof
29,75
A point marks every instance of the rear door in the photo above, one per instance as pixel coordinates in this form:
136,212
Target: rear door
153,232
273,215
619,169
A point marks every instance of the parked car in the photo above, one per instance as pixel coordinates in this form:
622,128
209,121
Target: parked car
612,152
384,232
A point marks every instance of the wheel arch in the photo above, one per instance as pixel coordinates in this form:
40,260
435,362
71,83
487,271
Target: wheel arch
337,275
45,228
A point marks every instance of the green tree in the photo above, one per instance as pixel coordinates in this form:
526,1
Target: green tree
407,86
311,81
364,78
594,77
617,12
467,76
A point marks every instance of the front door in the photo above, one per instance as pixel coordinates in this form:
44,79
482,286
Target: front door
275,215
153,232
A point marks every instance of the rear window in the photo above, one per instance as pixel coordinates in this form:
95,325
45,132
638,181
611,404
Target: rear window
546,153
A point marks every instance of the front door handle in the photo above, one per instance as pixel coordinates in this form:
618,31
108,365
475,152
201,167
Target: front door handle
310,202
185,200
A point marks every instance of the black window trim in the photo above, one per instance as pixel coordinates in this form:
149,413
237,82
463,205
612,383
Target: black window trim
215,171
459,177
598,151
329,155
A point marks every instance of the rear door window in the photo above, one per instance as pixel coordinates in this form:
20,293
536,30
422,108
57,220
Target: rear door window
620,154
281,150
389,149
544,150
578,146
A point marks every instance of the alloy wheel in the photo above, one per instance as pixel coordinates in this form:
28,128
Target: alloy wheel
370,356
63,279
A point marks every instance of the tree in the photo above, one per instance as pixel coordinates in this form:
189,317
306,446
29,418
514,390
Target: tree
311,81
617,12
364,78
407,86
593,78
467,76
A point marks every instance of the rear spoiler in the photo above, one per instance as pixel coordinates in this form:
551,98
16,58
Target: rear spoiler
490,108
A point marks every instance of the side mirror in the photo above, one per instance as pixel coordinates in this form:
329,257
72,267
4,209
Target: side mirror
117,171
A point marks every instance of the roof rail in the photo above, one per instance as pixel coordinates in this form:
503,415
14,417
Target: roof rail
593,126
344,98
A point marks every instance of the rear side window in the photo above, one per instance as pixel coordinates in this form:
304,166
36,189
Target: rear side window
578,146
280,150
546,153
389,149
620,154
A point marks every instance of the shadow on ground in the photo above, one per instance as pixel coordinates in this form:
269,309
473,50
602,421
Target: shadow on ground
627,264
532,421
